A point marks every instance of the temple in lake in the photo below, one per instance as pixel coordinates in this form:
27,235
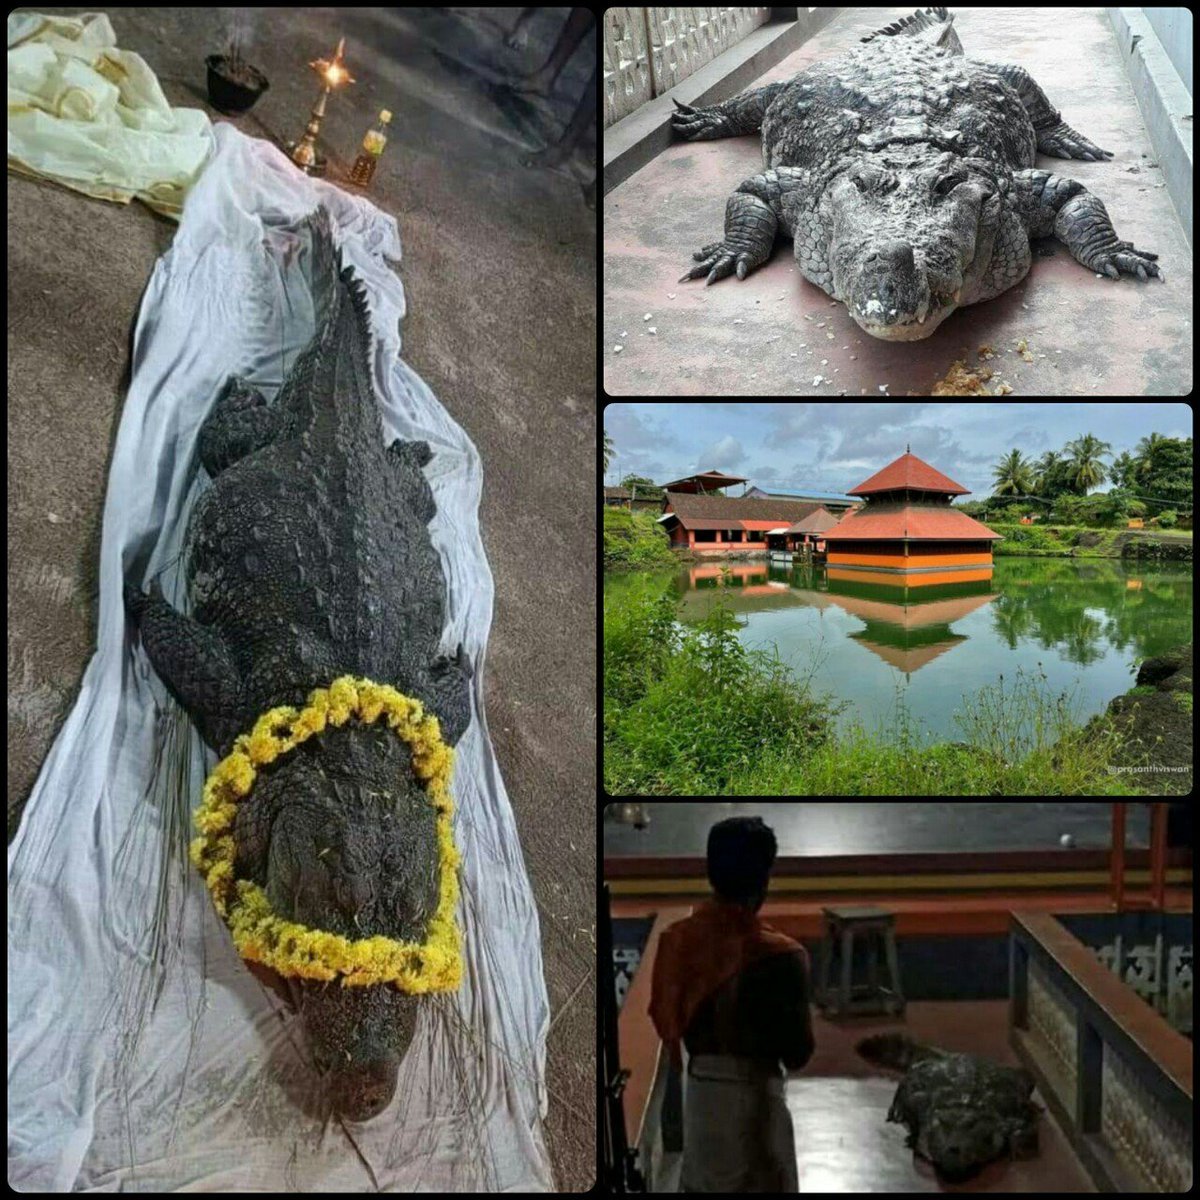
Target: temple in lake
907,533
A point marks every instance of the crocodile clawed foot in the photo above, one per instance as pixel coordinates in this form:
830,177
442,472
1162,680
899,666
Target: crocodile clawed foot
1126,259
694,124
719,260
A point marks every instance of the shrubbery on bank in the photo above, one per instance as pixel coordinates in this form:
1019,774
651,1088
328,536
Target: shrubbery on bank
692,712
634,540
1075,542
689,711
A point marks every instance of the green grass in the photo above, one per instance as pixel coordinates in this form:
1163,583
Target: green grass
1184,700
691,711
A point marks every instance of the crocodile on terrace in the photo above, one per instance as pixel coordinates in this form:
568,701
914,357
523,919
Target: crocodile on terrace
961,1111
904,173
309,558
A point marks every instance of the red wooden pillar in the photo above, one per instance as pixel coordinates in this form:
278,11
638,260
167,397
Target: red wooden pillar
1158,854
1118,855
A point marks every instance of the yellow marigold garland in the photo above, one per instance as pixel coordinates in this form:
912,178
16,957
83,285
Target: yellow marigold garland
261,935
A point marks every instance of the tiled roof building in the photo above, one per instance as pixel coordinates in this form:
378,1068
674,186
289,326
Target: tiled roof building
907,533
721,524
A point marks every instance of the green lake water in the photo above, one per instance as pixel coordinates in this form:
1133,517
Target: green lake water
1083,623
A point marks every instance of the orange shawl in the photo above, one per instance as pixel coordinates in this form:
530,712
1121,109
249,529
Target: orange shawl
700,953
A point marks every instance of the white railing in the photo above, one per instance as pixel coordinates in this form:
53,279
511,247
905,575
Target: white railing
648,50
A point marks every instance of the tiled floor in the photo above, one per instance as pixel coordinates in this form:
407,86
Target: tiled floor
839,1106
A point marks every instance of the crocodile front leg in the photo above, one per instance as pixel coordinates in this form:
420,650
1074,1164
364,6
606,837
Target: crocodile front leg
241,421
1066,209
753,215
192,660
739,115
450,682
408,458
1054,136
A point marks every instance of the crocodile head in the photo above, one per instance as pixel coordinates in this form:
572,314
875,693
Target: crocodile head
342,837
357,1037
908,231
960,1139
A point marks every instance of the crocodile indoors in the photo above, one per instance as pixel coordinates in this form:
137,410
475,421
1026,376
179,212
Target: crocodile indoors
904,173
309,559
961,1111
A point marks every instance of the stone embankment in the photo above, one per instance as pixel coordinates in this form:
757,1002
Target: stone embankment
1156,720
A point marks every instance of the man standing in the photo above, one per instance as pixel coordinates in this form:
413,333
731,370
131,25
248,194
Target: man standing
734,991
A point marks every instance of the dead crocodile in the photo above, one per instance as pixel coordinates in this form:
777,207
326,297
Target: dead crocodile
904,173
961,1111
309,559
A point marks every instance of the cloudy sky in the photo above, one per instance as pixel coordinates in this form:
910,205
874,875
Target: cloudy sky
832,447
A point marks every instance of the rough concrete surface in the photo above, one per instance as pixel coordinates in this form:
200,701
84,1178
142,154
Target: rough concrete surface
1061,331
499,267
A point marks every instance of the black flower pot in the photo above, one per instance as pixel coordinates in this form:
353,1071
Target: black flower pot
227,95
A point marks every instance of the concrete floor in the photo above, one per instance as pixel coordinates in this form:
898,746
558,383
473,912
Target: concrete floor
775,333
499,267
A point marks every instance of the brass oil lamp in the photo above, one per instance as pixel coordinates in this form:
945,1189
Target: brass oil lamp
332,74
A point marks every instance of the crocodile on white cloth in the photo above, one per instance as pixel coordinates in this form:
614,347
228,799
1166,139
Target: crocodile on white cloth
142,1053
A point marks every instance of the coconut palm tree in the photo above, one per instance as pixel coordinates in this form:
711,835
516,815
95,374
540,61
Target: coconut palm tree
1047,469
1087,471
1124,470
1148,452
1013,475
608,450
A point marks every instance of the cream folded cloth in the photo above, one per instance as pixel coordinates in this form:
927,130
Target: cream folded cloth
92,117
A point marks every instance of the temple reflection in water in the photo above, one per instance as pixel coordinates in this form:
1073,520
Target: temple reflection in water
909,627
906,627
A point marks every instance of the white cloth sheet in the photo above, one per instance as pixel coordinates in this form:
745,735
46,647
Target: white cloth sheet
143,1055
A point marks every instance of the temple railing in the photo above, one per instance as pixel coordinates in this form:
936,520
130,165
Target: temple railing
1114,1073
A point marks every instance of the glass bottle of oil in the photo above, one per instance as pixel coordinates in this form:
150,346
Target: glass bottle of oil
372,147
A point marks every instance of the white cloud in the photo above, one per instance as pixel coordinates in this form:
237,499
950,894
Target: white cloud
727,452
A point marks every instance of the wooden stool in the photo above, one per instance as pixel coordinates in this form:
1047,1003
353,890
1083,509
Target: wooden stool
878,925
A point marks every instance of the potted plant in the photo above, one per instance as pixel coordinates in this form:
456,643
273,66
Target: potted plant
233,84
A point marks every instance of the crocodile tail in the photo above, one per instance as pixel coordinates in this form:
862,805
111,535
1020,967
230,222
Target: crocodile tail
341,307
934,25
325,263
895,1050
341,317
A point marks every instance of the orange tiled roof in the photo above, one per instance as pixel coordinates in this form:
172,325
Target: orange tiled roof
817,522
908,471
912,521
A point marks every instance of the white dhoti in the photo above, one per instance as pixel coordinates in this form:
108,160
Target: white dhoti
737,1129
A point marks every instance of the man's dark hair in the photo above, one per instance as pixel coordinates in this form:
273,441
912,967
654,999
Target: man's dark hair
741,851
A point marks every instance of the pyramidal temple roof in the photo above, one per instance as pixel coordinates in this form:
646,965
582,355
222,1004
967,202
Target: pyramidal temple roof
908,471
909,522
